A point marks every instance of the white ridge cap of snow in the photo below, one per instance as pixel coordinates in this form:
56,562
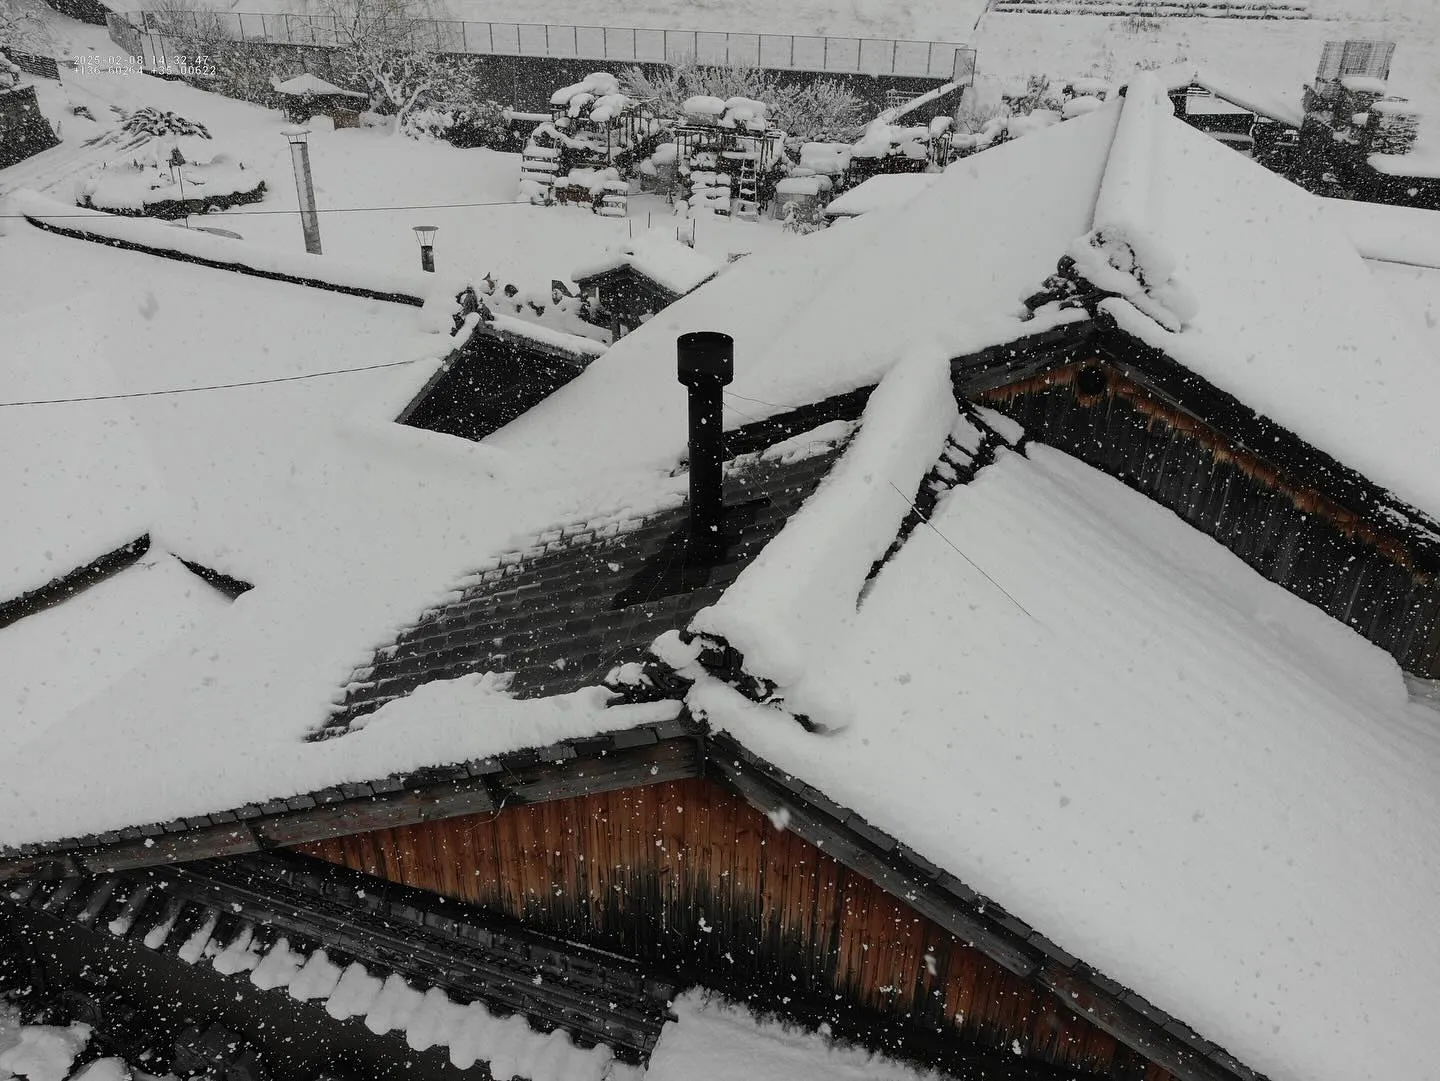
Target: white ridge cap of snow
1120,253
804,584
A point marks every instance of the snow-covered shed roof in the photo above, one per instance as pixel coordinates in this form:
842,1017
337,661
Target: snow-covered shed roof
675,267
1221,757
308,85
880,191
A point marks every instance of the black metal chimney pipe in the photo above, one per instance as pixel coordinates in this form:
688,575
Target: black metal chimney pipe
706,365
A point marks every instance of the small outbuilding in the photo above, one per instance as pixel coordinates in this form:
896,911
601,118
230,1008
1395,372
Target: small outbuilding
633,281
309,95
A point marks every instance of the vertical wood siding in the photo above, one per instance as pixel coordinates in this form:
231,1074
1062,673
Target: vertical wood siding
689,877
1292,534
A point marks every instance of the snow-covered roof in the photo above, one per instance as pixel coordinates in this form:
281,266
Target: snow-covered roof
314,86
1073,701
57,659
1251,98
1390,234
660,257
1207,789
879,192
78,480
1424,166
1297,330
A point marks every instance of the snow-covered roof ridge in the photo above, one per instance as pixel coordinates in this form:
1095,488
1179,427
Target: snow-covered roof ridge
1237,92
806,582
1120,254
406,286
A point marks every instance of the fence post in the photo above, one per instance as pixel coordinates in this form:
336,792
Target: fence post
490,28
792,52
930,59
825,62
894,55
464,38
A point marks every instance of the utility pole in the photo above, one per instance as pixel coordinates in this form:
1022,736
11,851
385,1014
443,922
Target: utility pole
304,187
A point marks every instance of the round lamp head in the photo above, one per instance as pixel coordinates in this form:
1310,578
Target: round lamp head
425,234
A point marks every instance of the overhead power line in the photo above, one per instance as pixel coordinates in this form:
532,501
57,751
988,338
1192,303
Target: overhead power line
318,210
213,386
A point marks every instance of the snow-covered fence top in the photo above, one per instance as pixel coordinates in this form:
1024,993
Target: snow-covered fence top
207,249
792,52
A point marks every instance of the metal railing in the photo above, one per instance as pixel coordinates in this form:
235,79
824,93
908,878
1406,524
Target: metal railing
951,61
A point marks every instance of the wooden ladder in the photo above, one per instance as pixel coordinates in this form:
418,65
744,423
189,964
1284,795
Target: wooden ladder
747,204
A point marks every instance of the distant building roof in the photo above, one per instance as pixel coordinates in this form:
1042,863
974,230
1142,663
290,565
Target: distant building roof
878,193
674,266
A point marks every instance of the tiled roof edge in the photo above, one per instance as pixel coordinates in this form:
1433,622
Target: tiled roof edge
663,751
67,585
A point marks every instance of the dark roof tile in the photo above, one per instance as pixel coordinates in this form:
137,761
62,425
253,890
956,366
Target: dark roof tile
585,597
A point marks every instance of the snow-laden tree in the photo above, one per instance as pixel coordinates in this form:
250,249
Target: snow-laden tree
384,46
207,40
821,110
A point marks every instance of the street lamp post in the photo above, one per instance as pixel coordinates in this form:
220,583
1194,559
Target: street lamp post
304,187
426,235
177,176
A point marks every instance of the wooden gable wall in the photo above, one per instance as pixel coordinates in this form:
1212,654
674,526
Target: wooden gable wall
688,877
1354,569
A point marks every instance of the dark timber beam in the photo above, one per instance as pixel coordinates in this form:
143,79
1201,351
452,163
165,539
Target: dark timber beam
627,759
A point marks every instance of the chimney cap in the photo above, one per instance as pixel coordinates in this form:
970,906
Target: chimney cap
706,356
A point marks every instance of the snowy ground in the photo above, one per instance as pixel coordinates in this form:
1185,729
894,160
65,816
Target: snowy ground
357,171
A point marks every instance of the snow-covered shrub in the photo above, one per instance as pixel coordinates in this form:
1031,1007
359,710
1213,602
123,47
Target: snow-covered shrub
237,69
1039,94
804,217
428,123
9,74
156,122
479,122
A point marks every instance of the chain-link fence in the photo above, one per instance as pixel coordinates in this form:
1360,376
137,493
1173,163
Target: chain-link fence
790,52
